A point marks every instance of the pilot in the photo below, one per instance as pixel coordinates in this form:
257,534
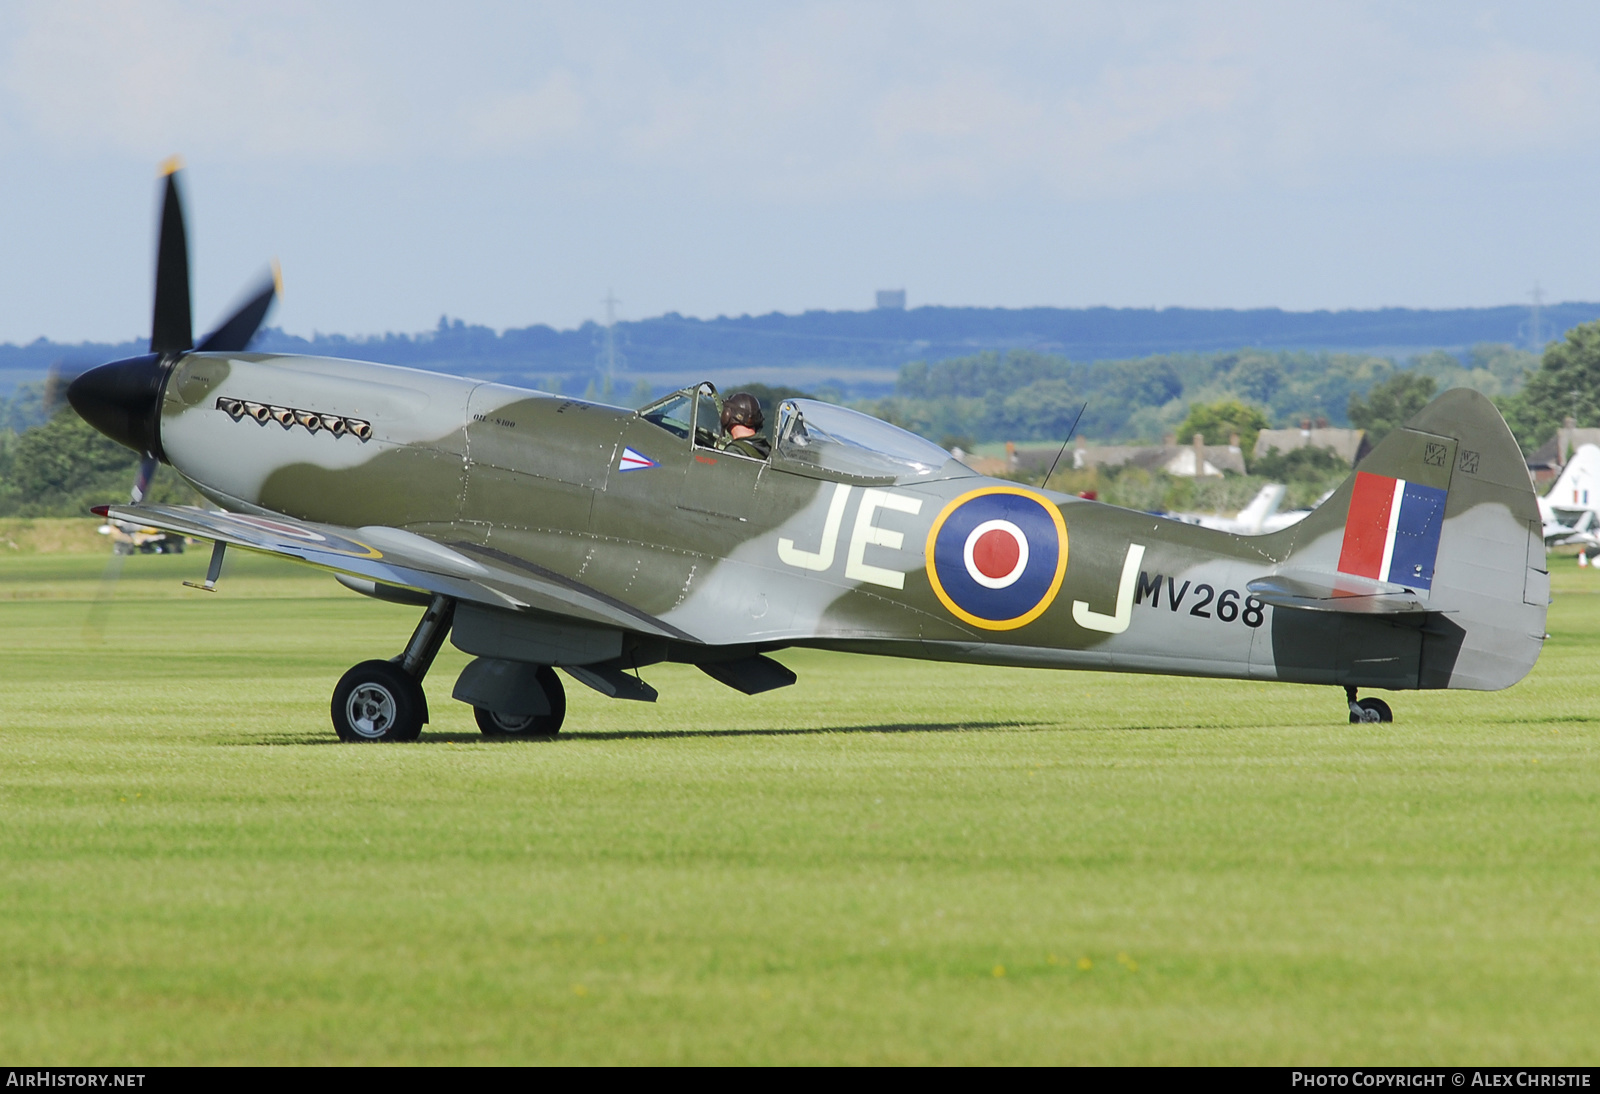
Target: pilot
742,422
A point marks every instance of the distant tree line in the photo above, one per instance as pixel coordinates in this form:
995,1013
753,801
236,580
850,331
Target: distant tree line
55,464
868,344
886,338
62,467
1023,396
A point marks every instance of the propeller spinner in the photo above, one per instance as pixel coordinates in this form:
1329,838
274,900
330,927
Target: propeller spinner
122,399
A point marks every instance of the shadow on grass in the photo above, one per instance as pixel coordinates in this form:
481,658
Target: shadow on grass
653,735
1548,719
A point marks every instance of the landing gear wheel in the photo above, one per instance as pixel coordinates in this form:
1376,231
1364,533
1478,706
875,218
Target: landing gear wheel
377,701
528,725
1372,710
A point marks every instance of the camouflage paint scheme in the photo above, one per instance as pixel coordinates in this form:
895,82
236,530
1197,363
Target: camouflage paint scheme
517,501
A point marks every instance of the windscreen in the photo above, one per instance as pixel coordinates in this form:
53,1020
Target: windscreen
672,414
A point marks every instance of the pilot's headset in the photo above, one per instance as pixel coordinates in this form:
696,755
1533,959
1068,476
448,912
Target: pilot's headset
742,408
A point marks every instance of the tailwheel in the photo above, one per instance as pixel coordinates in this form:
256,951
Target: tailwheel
494,724
378,701
1366,710
1369,710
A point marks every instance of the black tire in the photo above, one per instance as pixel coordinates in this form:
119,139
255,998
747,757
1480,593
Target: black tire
377,701
533,725
1372,706
1382,709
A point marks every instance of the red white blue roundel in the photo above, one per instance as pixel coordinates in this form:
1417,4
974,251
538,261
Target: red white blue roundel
280,532
996,556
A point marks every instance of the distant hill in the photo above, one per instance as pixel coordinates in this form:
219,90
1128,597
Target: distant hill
860,352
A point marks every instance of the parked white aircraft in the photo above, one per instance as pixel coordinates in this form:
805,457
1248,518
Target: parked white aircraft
1258,518
1571,508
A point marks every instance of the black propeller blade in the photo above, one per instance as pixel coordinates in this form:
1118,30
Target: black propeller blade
235,334
122,399
56,382
172,328
141,481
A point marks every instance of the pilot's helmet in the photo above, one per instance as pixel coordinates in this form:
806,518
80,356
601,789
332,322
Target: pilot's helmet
742,408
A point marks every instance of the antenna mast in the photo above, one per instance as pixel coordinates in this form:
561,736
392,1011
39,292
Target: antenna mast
1533,318
611,303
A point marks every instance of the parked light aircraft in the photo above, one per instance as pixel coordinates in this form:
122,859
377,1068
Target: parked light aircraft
1571,509
537,531
1259,517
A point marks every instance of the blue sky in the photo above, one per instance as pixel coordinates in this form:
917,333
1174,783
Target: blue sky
510,163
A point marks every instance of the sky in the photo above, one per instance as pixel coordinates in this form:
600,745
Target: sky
513,163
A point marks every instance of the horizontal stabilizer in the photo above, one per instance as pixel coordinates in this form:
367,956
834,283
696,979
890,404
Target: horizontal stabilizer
1336,593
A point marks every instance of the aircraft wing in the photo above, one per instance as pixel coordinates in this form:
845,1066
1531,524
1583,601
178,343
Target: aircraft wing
1558,533
392,556
1336,593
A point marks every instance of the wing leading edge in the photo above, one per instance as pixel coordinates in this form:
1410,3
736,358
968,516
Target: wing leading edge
394,556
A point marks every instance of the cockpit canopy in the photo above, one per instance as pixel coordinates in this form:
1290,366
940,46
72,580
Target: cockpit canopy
831,440
814,438
694,410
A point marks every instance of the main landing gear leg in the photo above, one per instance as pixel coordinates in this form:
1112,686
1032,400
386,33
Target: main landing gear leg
1367,710
383,700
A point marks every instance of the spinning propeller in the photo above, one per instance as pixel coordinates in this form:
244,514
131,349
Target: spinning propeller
122,399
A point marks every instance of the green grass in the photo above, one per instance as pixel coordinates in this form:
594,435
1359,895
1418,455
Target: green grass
891,862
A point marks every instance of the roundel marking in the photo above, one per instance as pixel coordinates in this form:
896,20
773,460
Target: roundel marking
277,528
996,556
316,540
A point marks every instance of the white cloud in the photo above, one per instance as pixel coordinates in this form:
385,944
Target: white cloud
819,101
528,120
232,82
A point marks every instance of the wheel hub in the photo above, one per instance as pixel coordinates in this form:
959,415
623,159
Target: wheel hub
370,710
514,723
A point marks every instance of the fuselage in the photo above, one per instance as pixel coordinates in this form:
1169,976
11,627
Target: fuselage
873,544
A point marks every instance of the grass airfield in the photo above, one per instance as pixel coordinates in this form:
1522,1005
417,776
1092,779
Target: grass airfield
892,862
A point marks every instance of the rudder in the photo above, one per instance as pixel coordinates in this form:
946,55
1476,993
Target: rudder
1444,507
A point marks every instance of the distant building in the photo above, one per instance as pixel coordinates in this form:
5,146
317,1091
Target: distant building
1549,458
1212,460
993,466
1351,445
892,299
1185,460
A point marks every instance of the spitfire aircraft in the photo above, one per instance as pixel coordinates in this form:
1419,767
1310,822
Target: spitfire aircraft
539,532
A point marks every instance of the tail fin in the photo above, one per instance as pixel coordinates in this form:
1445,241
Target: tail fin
1262,506
1578,488
1442,513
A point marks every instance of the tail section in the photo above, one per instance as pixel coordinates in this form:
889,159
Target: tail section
1431,554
